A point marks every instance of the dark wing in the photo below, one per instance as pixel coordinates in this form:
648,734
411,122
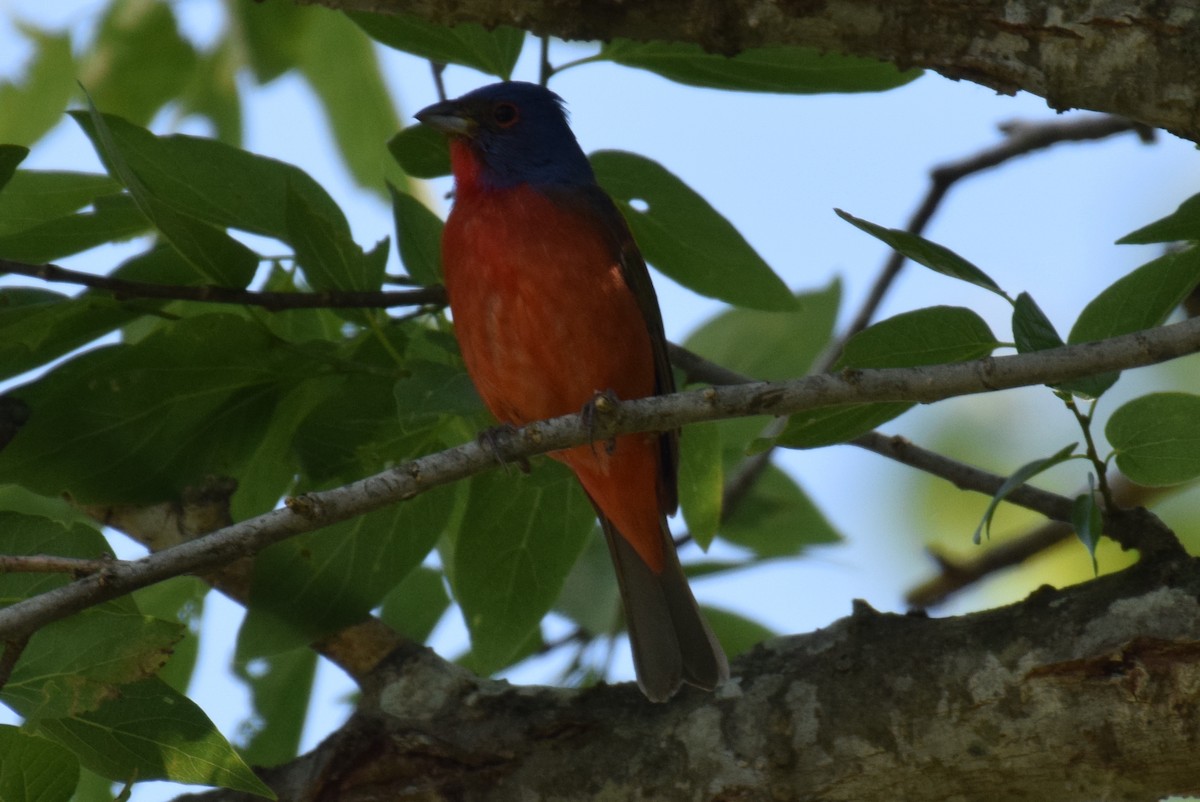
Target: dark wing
633,268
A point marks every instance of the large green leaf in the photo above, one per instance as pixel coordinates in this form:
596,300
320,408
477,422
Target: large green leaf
421,151
736,633
38,326
1181,224
414,607
932,336
518,539
39,196
418,236
1157,438
188,401
682,235
340,64
794,70
701,481
113,218
321,582
35,104
213,253
270,35
10,157
1137,301
494,52
152,732
280,688
326,250
181,600
138,61
35,769
777,518
212,92
211,181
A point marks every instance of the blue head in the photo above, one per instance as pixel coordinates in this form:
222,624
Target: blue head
518,131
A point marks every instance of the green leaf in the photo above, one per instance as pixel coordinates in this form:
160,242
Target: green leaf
214,254
794,70
188,401
421,152
777,518
10,157
1181,224
1088,523
701,481
414,607
152,732
270,35
1157,438
37,326
331,259
35,769
318,583
1020,477
340,65
1032,330
280,689
931,336
1137,301
590,596
683,236
211,181
419,237
930,254
35,104
39,196
180,600
516,543
771,345
114,218
494,52
122,74
212,91
935,335
736,633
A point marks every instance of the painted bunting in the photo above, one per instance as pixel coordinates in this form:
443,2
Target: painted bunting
553,305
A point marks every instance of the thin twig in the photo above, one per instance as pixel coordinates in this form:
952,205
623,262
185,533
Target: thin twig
438,68
316,510
545,68
50,564
271,301
1021,138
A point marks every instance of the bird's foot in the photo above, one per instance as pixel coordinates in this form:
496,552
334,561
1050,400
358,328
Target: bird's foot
602,403
490,439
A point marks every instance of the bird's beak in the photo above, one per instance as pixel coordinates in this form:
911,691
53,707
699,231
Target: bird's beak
449,117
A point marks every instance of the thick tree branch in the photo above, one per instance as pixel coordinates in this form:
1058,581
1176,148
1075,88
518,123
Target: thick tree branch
1135,59
315,510
1080,694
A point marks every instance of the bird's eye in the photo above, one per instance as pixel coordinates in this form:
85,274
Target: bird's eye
505,114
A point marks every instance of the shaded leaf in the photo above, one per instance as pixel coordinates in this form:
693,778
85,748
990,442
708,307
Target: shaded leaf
35,104
38,326
418,236
1088,523
1032,330
138,61
590,596
1181,224
930,254
39,196
494,52
113,218
327,252
212,91
35,769
795,70
683,236
10,157
414,607
701,481
518,539
1018,478
178,600
736,633
152,732
340,64
1157,438
280,689
777,518
421,151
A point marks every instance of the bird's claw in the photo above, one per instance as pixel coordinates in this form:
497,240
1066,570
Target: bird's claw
602,403
490,439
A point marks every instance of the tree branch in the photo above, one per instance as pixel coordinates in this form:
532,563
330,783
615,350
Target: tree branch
1135,59
874,707
315,510
271,301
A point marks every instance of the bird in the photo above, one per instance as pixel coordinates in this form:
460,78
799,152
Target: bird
553,307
